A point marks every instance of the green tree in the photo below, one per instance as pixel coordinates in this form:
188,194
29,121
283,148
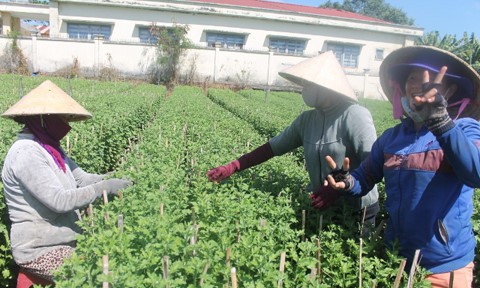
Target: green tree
470,50
172,42
373,8
467,47
447,42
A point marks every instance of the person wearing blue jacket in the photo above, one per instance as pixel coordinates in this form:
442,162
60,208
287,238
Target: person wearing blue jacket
430,162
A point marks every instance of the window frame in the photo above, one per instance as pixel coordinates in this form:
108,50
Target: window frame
216,39
85,31
345,53
288,42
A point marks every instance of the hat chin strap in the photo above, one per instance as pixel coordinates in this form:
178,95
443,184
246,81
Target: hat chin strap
463,103
397,102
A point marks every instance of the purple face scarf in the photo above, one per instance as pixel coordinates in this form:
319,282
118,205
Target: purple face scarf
48,131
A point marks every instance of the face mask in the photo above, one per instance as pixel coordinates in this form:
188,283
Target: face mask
310,97
55,126
409,111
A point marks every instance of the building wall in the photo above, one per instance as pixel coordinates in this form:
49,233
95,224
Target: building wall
212,65
253,65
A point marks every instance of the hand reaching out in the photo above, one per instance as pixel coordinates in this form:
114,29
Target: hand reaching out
339,178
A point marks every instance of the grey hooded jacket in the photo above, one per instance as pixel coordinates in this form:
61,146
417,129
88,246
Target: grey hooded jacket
42,200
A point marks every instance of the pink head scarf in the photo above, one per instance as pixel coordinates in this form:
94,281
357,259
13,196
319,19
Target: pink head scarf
48,131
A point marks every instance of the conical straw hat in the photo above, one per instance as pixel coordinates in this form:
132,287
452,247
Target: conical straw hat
48,98
322,70
400,61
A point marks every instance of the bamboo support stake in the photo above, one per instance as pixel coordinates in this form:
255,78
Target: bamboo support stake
234,277
304,217
379,229
313,273
161,209
90,213
281,269
238,233
105,270
413,269
399,273
120,223
165,267
320,224
360,264
227,258
205,270
319,261
363,220
374,283
69,151
105,201
227,262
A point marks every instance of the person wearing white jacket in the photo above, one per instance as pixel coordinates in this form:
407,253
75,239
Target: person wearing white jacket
43,187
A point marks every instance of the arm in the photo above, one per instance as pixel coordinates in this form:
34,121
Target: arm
276,146
81,177
256,157
461,147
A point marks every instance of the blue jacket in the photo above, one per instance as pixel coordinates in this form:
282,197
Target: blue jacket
429,184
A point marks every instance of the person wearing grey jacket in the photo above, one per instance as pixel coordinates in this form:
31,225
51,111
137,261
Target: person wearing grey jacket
43,187
337,124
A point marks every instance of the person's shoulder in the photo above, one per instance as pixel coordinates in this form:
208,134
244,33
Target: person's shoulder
467,121
356,108
24,146
357,111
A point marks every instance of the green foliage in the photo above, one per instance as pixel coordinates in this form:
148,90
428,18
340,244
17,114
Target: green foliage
178,223
172,43
467,48
374,8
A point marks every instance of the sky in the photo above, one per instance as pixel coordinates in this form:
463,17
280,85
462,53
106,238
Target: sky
444,16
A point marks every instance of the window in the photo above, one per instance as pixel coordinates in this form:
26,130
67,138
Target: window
287,46
379,54
223,40
146,36
88,31
347,55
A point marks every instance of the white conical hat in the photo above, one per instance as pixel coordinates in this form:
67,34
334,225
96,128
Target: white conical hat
322,70
48,98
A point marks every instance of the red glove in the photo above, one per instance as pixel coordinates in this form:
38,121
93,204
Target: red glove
257,156
324,196
223,172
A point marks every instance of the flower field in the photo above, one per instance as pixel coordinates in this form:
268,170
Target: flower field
174,228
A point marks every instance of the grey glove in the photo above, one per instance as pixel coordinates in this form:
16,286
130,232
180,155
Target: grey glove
111,186
435,114
341,175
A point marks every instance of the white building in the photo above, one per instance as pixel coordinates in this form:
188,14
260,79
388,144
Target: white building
237,41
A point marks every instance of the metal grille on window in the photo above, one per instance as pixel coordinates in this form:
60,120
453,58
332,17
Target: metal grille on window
347,55
287,46
88,31
220,40
146,36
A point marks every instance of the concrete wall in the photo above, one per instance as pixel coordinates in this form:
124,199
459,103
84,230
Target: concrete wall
214,65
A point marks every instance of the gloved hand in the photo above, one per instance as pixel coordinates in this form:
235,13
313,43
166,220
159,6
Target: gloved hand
432,106
223,172
324,197
111,186
339,178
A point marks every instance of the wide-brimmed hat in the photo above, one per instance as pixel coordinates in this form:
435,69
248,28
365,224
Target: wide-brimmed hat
48,98
398,64
322,70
